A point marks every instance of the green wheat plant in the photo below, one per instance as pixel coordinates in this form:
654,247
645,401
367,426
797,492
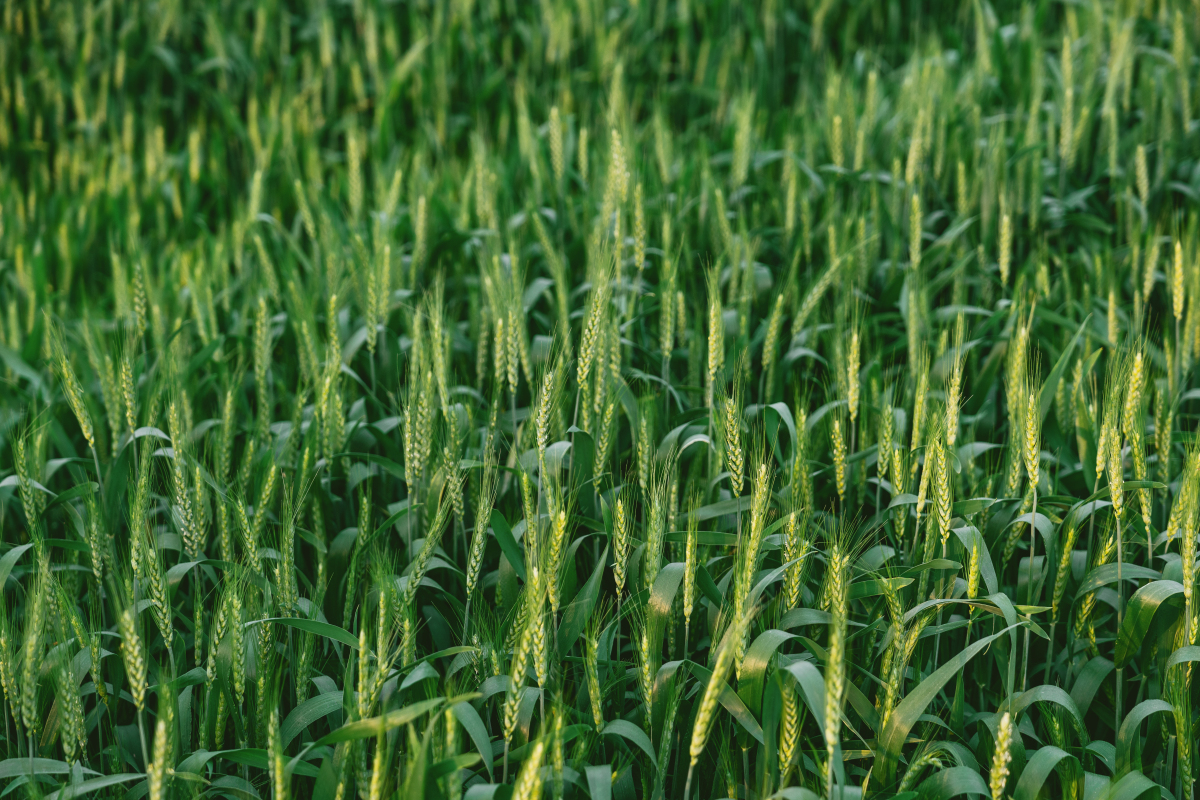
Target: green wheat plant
582,400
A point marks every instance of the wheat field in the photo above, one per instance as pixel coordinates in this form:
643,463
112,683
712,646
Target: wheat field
599,399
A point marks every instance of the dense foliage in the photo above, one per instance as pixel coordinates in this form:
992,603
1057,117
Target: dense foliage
661,399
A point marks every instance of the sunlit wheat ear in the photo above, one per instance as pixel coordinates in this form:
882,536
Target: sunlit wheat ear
645,449
433,537
10,658
1084,626
1004,257
731,432
134,657
836,584
791,718
554,553
621,536
656,529
801,477
155,581
31,652
483,515
157,769
920,372
943,491
591,666
691,557
813,298
235,621
852,377
954,389
838,448
645,668
796,547
1001,757
1063,571
70,382
707,708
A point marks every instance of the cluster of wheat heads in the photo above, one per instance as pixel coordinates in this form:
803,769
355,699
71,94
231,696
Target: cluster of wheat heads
651,399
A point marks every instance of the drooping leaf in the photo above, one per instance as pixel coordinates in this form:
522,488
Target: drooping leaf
1129,734
1041,766
508,544
632,733
953,782
325,629
910,709
307,713
576,615
366,728
754,667
1140,612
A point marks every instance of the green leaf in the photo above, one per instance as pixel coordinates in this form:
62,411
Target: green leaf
576,615
803,616
204,356
257,757
309,712
910,709
732,703
722,508
1129,734
903,500
388,466
94,785
449,765
754,667
313,626
67,544
390,521
489,791
1047,693
1091,677
812,688
1140,613
937,563
708,586
965,508
18,366
1039,768
12,767
1133,786
971,536
953,782
798,793
1046,398
469,718
512,550
854,695
875,587
366,728
1184,654
70,494
764,582
583,457
705,537
1107,573
599,781
9,561
193,677
627,730
662,597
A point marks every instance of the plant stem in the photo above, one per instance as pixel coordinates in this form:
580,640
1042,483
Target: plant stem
1029,581
1120,619
142,735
